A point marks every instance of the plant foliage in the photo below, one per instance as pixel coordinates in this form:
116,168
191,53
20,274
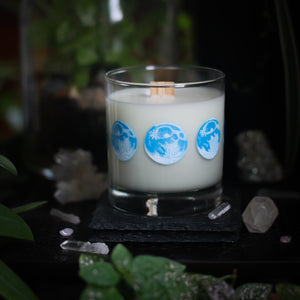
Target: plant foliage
8,165
12,287
12,225
122,276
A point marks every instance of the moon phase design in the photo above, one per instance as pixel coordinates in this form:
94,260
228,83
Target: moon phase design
124,141
166,143
208,139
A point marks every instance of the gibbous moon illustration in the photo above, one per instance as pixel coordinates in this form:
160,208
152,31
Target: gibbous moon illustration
208,139
123,140
166,143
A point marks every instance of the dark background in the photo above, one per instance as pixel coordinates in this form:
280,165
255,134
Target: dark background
238,37
241,39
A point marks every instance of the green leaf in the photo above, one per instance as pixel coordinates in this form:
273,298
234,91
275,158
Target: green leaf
151,290
8,165
93,292
65,32
287,291
150,265
184,21
12,287
87,259
81,77
87,12
12,225
185,286
27,207
248,291
100,274
152,276
86,55
122,259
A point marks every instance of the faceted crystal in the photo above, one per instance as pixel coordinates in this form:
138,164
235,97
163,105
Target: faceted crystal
260,214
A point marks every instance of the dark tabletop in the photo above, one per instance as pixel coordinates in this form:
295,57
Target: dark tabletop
53,272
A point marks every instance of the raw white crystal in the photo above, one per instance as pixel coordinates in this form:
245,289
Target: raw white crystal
69,163
285,239
76,177
260,214
257,161
66,232
65,216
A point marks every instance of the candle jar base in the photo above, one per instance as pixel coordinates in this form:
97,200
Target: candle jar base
166,204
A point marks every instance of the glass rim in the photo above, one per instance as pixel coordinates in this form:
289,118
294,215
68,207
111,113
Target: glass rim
219,75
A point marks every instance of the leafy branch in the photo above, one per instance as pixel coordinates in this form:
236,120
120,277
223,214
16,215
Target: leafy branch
144,277
13,226
12,286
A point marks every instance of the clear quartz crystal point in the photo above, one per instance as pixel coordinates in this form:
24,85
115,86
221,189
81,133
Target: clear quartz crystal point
80,246
219,211
260,214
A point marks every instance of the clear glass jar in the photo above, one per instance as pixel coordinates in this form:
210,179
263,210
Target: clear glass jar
165,128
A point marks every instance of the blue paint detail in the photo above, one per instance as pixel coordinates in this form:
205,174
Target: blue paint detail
166,143
124,141
208,139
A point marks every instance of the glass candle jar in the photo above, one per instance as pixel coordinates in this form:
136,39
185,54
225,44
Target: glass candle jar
165,130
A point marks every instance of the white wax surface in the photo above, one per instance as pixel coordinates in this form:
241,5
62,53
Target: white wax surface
189,109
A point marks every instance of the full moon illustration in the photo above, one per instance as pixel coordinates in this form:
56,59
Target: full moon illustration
166,143
123,140
208,139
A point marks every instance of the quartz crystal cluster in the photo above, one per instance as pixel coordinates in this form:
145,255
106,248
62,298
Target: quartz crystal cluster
76,177
256,160
260,214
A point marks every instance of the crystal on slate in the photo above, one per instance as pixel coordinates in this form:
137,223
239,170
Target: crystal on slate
260,214
219,211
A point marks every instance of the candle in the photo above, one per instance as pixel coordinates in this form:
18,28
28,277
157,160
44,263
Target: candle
165,138
134,111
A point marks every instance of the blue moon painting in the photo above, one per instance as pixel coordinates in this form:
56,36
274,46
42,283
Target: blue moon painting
123,140
208,139
166,143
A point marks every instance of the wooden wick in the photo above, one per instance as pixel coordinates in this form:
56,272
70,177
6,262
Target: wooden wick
162,91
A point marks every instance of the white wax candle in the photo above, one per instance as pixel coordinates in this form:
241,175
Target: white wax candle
135,115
